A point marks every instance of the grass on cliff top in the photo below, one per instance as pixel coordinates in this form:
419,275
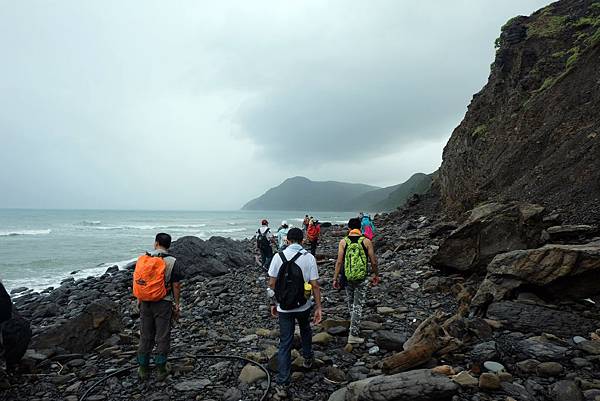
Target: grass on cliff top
587,21
572,58
594,39
546,25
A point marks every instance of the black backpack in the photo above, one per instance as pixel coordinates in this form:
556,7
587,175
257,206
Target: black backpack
289,287
262,241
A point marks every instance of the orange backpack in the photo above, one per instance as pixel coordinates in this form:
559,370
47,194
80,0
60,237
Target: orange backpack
149,278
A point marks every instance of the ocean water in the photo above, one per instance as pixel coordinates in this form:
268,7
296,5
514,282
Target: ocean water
40,248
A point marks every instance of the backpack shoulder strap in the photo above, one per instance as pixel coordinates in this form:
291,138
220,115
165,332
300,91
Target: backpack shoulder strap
282,256
296,256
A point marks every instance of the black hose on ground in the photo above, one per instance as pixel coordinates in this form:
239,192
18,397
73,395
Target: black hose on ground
213,356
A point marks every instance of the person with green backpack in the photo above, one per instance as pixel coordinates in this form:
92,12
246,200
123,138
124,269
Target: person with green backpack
352,271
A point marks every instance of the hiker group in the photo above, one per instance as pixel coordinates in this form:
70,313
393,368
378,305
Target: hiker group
294,290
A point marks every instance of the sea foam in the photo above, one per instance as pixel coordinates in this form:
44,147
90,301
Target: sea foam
16,232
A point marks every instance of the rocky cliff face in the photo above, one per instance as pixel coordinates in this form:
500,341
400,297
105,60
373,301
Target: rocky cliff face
533,132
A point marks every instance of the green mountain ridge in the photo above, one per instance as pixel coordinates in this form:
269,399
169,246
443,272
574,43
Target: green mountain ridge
300,193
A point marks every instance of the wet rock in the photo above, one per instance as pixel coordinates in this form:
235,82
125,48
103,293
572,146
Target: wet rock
213,257
322,338
251,374
550,369
566,390
491,229
98,321
335,375
367,325
571,232
563,271
232,394
390,341
537,319
494,367
192,385
537,348
528,365
337,331
16,335
590,347
415,385
489,381
484,351
465,379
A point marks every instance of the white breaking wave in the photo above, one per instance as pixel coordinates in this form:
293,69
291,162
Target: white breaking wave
228,230
91,223
176,227
12,233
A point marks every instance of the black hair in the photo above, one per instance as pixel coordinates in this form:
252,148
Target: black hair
164,240
295,235
354,223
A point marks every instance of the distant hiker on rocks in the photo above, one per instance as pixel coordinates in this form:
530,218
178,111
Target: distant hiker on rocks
293,275
352,271
282,235
156,285
305,223
264,239
312,235
367,227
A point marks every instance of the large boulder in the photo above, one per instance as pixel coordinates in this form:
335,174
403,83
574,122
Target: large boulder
98,321
15,331
491,229
561,271
414,385
213,257
16,334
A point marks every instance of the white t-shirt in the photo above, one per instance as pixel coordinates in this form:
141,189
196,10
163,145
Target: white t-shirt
306,262
262,230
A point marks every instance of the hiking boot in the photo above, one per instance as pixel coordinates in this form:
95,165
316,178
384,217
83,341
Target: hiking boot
355,339
308,362
163,372
142,372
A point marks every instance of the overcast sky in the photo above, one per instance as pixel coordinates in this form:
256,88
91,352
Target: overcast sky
204,104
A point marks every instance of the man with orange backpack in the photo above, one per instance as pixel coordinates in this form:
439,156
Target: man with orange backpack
312,235
156,286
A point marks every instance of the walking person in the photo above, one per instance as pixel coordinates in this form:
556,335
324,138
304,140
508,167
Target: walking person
352,271
305,224
156,285
264,241
367,226
293,275
312,235
282,236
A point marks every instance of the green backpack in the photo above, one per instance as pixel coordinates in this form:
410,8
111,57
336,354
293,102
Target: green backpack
355,260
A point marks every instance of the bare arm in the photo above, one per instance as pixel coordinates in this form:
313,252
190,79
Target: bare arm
318,310
374,268
176,292
272,281
372,257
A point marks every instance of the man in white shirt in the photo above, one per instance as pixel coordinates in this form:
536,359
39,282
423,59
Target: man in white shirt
287,318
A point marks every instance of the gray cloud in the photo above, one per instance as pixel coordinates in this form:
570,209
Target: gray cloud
100,101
